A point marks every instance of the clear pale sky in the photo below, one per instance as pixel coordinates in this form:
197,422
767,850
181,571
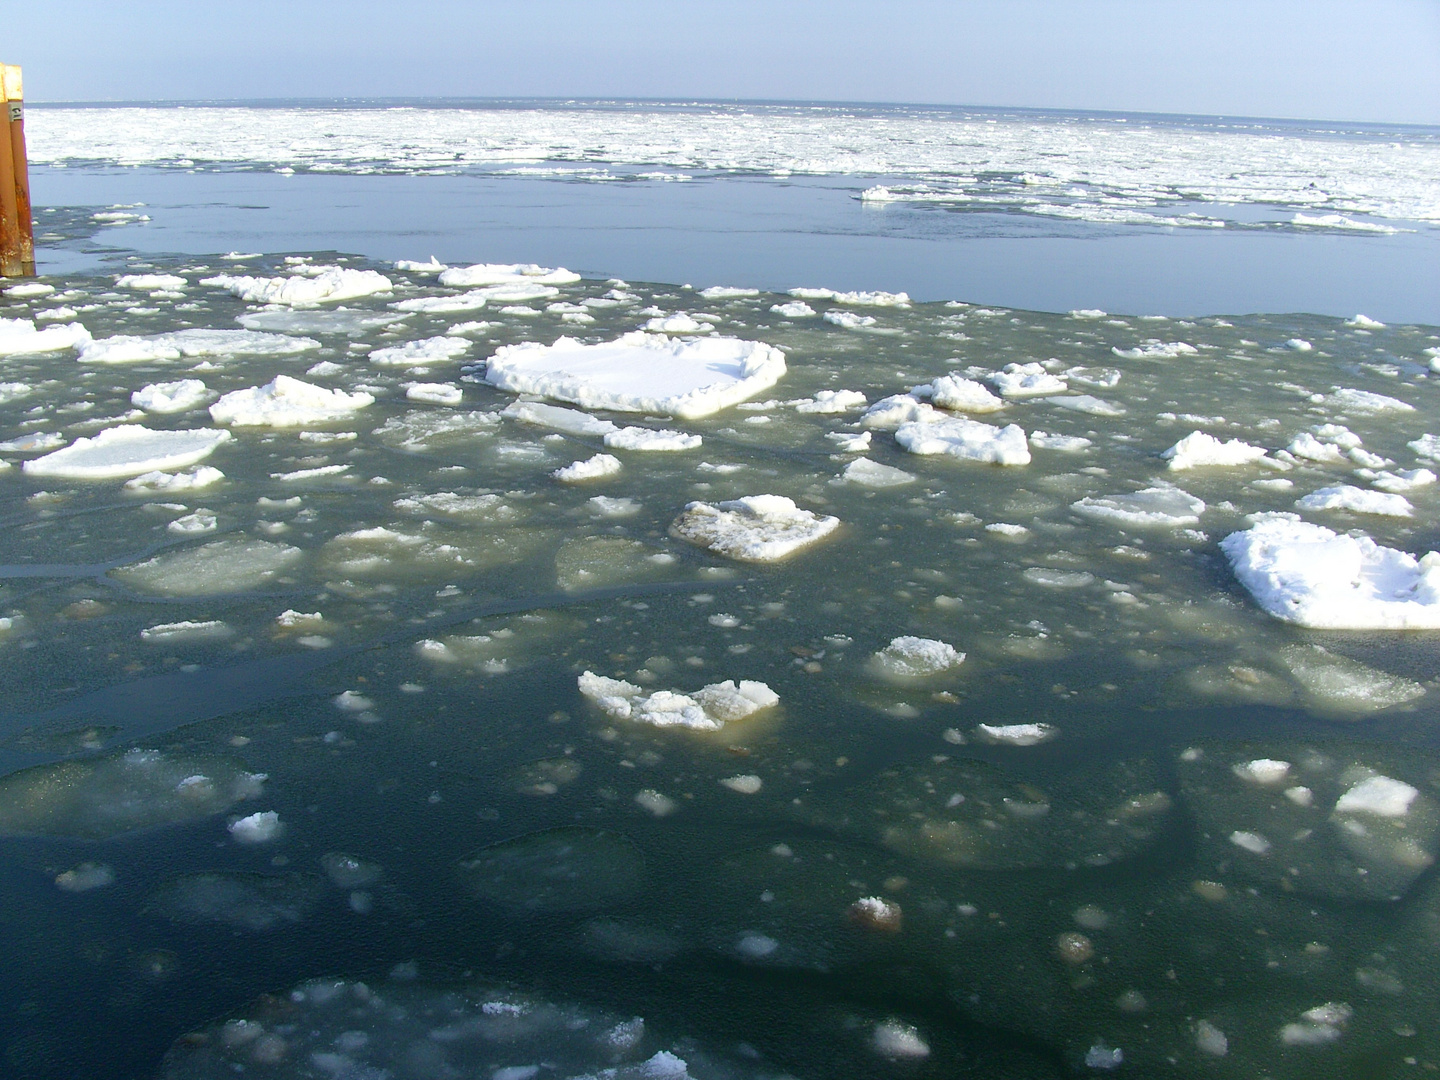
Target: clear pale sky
1376,60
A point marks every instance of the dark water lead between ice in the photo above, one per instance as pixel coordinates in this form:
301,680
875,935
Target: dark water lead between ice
400,785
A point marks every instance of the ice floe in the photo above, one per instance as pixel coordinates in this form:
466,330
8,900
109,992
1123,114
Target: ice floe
286,402
433,350
127,451
911,657
219,567
707,709
1200,450
18,337
756,528
506,274
1027,380
969,440
872,474
594,468
641,372
963,395
1358,500
651,439
1162,506
171,397
327,285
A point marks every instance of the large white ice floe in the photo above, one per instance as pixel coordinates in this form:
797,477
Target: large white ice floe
641,372
132,349
1161,505
856,299
328,285
968,440
127,450
756,528
1306,574
504,274
286,402
707,709
432,350
912,657
1199,450
18,337
1358,500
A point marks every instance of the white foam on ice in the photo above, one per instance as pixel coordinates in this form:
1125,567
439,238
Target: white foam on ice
968,440
1306,574
1200,450
1162,505
651,439
593,468
708,709
127,450
285,402
171,397
433,350
756,528
911,657
641,372
18,337
328,285
1356,500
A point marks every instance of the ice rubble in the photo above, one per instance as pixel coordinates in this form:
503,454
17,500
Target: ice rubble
1307,574
1157,350
432,350
594,468
707,709
641,372
1027,380
1200,450
131,349
893,412
968,440
127,451
172,483
286,402
911,657
326,285
18,337
171,397
756,528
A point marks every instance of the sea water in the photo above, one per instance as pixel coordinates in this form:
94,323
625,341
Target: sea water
408,702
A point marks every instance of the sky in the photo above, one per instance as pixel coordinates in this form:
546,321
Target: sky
1377,60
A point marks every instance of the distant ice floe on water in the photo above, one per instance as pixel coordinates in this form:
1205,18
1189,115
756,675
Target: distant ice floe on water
1093,169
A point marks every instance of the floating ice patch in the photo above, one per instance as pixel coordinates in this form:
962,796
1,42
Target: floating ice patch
872,474
85,877
1364,322
317,322
795,309
1157,350
1017,734
330,285
430,266
1356,500
163,633
18,337
1427,446
1199,450
1027,380
426,430
464,277
892,412
1085,403
756,528
1366,402
641,372
171,397
1267,772
222,566
591,469
651,439
1306,574
435,393
1066,444
678,323
1381,796
127,451
1404,480
849,320
558,419
1308,447
727,292
285,402
963,395
433,350
708,709
258,828
855,299
894,1039
29,290
911,657
171,483
830,402
150,282
968,440
1161,506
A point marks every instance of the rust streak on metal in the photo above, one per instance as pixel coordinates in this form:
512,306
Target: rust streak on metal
17,241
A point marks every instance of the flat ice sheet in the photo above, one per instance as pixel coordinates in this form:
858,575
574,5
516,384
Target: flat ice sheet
286,402
128,450
326,285
1307,574
756,528
641,372
969,440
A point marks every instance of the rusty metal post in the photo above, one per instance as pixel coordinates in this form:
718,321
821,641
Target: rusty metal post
11,264
15,106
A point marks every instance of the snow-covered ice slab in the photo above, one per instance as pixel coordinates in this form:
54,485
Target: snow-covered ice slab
969,440
964,395
651,439
1199,450
641,372
1306,574
18,337
330,285
128,450
572,421
756,528
1027,380
872,474
506,273
132,349
171,397
708,709
432,350
342,321
912,657
286,402
1153,506
1358,500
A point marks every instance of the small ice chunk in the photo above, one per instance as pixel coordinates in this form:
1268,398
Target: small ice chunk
1364,322
618,507
431,350
847,442
505,274
352,701
1250,841
571,421
1366,402
708,709
848,320
895,411
651,439
968,440
795,309
257,828
127,451
963,395
910,657
1306,574
1017,734
287,402
745,784
1264,771
29,290
163,482
679,323
1404,480
756,946
1299,344
894,1039
150,282
1357,500
1027,380
435,393
1162,505
830,402
655,803
591,469
1307,446
872,474
171,397
641,372
1378,795
433,266
1085,403
756,528
1066,444
181,631
1157,350
1201,450
1104,1057
326,285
